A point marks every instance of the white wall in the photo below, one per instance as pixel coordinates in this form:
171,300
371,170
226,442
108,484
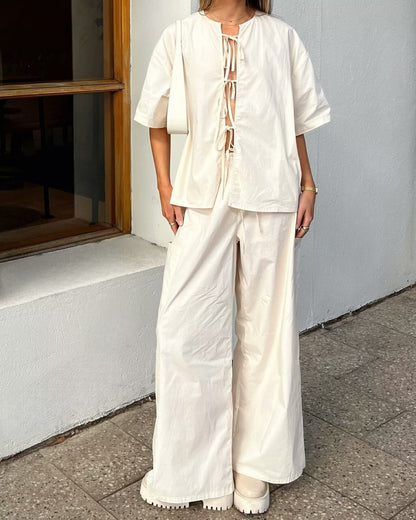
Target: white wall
148,19
76,336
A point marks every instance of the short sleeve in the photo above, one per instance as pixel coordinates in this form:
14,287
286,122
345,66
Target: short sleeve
311,108
152,107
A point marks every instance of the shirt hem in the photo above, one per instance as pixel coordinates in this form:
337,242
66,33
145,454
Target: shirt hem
284,208
247,207
186,204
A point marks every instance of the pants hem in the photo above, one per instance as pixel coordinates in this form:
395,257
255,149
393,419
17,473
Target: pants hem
281,479
198,496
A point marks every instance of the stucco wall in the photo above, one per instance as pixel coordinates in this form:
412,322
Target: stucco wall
147,24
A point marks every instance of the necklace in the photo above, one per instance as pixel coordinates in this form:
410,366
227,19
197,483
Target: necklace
226,21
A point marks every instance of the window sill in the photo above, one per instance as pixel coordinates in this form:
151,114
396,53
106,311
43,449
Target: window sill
37,276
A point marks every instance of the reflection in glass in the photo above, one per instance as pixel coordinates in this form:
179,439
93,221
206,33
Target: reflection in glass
53,173
55,40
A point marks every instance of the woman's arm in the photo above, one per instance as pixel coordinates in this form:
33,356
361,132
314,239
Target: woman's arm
160,142
306,198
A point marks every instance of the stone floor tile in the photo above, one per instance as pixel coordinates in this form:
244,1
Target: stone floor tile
397,437
346,406
407,295
368,476
397,314
371,337
312,380
138,421
101,459
33,489
388,379
308,499
408,513
321,353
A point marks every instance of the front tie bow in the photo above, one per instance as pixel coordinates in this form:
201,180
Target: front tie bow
224,102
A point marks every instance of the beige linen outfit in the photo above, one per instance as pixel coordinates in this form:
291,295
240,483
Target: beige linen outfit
219,409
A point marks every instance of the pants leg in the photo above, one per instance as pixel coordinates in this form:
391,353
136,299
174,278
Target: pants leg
268,439
215,413
192,440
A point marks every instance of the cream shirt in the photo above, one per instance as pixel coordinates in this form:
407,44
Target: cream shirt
277,97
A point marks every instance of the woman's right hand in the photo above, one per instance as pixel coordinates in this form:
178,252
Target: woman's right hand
171,212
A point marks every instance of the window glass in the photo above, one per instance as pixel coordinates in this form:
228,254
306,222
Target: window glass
55,173
54,40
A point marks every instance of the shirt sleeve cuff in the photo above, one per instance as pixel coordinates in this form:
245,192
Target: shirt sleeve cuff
145,120
313,123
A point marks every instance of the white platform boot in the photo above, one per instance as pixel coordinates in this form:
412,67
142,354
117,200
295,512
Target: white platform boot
147,493
250,494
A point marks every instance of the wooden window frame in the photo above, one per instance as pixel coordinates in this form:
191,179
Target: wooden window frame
117,151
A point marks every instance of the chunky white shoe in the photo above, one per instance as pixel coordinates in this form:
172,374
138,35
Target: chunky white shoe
251,495
146,492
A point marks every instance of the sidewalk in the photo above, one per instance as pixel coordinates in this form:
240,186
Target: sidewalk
359,401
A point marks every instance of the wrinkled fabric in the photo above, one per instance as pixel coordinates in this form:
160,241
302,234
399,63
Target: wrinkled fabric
278,98
219,409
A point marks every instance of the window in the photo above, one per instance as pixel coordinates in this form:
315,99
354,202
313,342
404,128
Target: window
64,123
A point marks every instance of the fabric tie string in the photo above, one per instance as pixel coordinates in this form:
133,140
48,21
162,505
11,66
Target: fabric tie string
228,93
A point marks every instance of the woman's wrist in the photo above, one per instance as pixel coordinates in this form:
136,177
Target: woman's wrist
307,183
164,185
311,188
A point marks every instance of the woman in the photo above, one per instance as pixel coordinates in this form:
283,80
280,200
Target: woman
229,423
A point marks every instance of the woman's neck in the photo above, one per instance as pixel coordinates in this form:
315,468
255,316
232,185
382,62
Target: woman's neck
229,9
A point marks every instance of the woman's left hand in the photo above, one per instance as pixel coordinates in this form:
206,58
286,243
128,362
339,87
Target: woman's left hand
305,212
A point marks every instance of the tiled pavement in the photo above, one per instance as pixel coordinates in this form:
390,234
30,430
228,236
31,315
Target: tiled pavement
359,401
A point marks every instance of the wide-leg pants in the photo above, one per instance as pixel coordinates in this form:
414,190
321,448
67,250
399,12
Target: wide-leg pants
219,409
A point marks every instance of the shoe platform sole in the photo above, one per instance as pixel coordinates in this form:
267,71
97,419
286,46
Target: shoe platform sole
217,503
252,505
